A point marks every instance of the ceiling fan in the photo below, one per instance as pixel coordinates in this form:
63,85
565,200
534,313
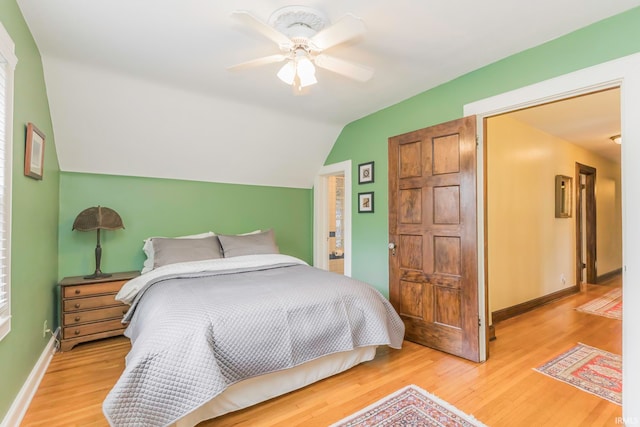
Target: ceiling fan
302,35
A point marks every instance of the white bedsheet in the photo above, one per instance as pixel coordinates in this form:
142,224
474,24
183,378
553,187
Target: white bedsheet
259,389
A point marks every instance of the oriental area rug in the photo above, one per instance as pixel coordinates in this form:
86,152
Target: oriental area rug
590,369
409,407
608,305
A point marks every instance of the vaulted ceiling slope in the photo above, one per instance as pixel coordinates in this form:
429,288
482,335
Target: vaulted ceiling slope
141,88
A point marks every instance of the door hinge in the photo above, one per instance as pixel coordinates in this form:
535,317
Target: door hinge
479,322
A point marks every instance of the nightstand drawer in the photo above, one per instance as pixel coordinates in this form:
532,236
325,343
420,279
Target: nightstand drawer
92,328
94,315
91,302
93,289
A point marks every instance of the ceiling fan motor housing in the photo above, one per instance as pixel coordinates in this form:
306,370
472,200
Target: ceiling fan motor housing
298,22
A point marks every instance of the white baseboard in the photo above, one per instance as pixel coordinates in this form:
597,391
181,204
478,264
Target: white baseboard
23,399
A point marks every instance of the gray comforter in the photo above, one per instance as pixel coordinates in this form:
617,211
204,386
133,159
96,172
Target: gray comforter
195,334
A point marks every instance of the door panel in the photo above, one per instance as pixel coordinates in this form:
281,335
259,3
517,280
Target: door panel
432,221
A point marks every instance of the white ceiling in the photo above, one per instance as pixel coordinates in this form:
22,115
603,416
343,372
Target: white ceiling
110,63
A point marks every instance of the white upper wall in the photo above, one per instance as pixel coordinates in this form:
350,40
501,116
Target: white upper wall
112,123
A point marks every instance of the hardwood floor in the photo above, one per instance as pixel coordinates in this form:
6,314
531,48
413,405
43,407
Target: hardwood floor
504,391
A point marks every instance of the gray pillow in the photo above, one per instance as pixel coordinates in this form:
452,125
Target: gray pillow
249,244
169,251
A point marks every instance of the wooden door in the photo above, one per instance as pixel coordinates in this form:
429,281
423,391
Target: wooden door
586,239
432,224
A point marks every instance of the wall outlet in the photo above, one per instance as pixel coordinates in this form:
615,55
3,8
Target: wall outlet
45,329
563,279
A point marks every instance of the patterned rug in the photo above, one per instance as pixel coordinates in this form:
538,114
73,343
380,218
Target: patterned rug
590,369
608,305
409,407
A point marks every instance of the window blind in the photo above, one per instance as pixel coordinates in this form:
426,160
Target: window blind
4,204
8,61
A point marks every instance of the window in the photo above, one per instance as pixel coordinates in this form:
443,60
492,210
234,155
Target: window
8,62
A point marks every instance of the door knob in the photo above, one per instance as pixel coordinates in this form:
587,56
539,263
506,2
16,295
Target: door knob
392,248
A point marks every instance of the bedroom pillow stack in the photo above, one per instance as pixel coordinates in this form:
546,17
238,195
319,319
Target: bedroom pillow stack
162,251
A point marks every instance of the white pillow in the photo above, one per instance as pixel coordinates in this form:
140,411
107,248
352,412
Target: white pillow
147,248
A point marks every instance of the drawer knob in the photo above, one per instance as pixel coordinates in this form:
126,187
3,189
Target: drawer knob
77,332
124,311
77,305
77,291
77,319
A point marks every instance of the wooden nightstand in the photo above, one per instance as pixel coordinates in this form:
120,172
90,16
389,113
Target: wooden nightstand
88,308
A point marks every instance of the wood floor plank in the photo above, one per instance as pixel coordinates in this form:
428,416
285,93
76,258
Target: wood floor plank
504,391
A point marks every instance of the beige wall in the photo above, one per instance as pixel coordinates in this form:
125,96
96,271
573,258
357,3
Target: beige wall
529,250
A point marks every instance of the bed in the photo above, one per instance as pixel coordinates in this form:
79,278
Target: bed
214,332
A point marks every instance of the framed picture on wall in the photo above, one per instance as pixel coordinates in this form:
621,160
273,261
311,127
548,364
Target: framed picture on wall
365,173
365,202
34,152
564,191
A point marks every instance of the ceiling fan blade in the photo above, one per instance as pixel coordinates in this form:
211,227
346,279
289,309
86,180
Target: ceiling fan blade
349,69
346,28
257,62
244,17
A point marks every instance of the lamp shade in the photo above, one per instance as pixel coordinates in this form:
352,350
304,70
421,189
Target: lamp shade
306,72
287,73
97,217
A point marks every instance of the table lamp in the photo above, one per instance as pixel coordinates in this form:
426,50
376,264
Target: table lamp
97,218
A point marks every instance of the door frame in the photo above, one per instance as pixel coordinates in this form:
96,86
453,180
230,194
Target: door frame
590,235
321,217
624,73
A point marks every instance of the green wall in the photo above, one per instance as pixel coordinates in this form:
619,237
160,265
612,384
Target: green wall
366,139
166,207
34,252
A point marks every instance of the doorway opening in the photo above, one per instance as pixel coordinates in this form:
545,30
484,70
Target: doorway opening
332,218
532,256
335,222
616,73
613,74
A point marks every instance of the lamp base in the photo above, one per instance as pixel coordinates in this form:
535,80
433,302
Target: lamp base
97,275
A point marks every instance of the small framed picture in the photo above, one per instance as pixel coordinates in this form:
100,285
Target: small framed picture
365,173
34,152
365,202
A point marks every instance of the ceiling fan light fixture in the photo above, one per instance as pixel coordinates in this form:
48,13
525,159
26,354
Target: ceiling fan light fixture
307,81
306,72
617,139
287,73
